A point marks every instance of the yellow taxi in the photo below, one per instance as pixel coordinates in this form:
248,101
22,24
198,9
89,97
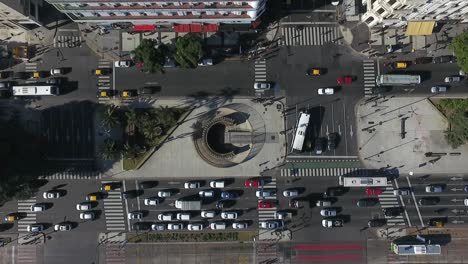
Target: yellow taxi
92,197
314,72
11,217
105,93
101,71
106,187
128,93
436,223
36,75
401,65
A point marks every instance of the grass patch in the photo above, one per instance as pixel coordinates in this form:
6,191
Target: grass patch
456,111
192,237
247,236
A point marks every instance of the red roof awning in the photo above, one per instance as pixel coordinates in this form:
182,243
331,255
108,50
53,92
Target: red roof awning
256,23
144,27
181,28
210,28
195,28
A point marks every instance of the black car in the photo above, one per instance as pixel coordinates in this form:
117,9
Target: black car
319,146
331,140
423,60
55,81
148,184
224,204
130,194
377,222
5,93
367,202
393,211
141,226
334,191
429,201
147,90
444,59
21,75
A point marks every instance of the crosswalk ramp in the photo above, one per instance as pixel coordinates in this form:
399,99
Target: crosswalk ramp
115,254
388,199
26,254
30,67
114,212
260,71
67,41
72,175
24,207
323,172
369,77
309,35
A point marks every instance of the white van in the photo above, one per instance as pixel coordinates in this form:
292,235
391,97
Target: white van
217,184
183,216
218,225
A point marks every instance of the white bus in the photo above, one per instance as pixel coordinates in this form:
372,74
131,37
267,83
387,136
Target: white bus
415,249
363,181
398,79
35,90
301,128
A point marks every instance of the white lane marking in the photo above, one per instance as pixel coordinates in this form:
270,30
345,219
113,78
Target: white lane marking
403,203
137,189
344,117
415,203
126,206
13,254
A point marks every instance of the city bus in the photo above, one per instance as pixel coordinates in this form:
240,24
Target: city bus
415,249
301,128
397,79
363,181
35,90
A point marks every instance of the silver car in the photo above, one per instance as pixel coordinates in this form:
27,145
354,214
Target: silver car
328,212
438,89
165,193
450,79
35,228
229,215
175,226
192,185
290,193
262,86
434,188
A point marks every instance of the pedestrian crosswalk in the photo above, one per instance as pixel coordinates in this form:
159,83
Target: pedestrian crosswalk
72,175
26,254
114,212
369,77
30,67
260,71
267,252
388,199
267,213
62,41
115,254
24,207
323,172
104,81
304,35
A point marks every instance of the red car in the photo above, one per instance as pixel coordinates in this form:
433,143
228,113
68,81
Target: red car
373,191
266,204
255,182
345,80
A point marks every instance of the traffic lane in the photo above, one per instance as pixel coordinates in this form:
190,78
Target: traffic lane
71,247
220,79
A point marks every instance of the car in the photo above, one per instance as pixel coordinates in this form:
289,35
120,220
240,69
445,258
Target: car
377,222
206,193
93,197
281,215
35,228
428,200
228,195
327,212
20,75
147,184
5,85
397,65
314,72
217,184
319,146
335,2
35,75
423,60
291,193
89,215
326,91
153,200
166,217
5,93
51,194
444,59
130,194
141,226
240,225
11,217
206,62
128,93
165,193
229,215
367,202
54,81
402,191
434,188
323,203
265,193
218,225
56,71
169,63
195,227
266,204
208,214
175,226
332,223
293,203
63,227
437,222
158,227
271,224
147,90
102,71
135,215
105,93
262,86
255,182
183,216
38,207
224,204
122,64
374,191
192,185
439,89
84,206
344,80
450,79
465,188
465,201
331,141
392,211
334,191
4,74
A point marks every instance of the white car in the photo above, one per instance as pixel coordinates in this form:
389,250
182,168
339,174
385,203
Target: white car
402,191
158,227
328,212
265,193
83,206
206,62
240,225
206,193
450,79
218,225
280,215
326,91
175,226
56,71
135,215
465,201
290,193
35,228
229,215
87,216
208,214
262,86
271,224
38,207
122,64
195,227
152,201
192,185
166,217
165,193
51,195
62,227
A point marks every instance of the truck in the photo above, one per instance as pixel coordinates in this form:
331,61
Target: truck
397,79
188,205
330,223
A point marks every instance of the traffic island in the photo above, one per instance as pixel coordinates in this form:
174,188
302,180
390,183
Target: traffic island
191,237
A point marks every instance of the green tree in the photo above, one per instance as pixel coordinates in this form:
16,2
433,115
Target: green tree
147,124
109,150
109,117
458,133
189,51
132,117
131,151
459,46
151,55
